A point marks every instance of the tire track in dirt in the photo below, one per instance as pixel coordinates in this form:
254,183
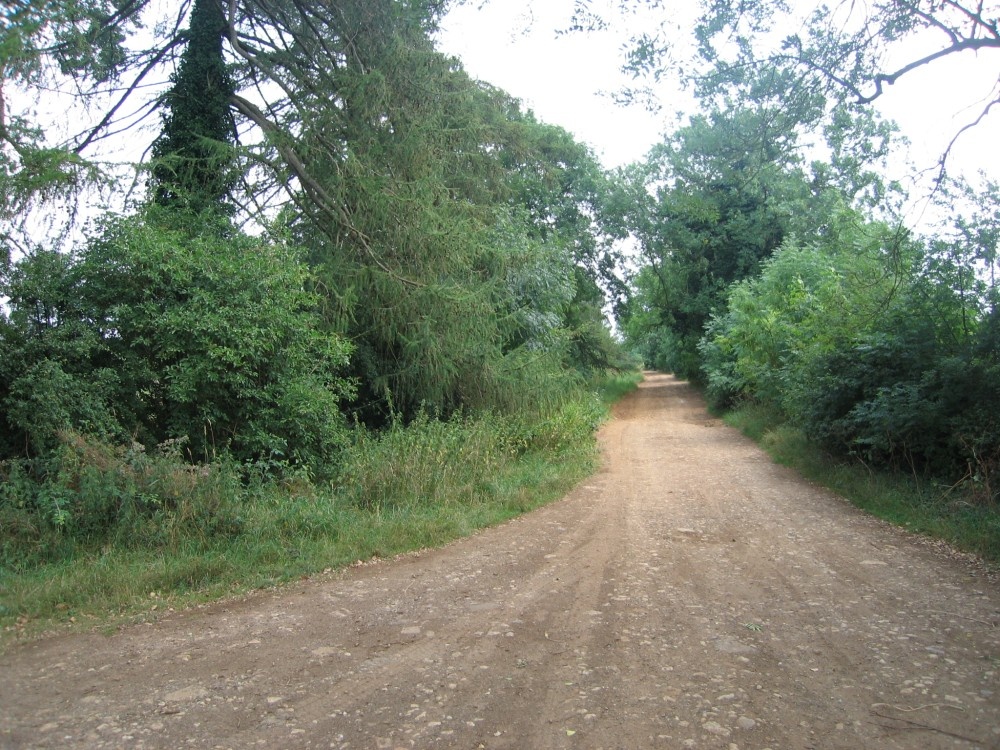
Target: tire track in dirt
690,595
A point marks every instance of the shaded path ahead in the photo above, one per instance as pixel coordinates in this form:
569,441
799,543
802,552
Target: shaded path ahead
692,594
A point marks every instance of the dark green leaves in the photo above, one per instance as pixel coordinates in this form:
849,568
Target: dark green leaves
194,168
157,334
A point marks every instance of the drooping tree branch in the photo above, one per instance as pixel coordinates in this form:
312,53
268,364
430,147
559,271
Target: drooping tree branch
319,197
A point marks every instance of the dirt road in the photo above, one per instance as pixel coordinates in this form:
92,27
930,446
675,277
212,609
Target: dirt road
691,595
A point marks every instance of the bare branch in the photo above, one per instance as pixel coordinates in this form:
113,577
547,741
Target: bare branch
942,162
978,22
891,78
932,21
109,115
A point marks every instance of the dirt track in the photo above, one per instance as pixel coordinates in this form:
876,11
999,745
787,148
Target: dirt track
692,594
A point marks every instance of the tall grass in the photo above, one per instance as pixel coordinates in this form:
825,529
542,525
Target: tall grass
615,386
950,513
179,535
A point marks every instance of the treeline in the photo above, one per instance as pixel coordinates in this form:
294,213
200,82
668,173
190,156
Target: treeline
339,233
345,265
788,282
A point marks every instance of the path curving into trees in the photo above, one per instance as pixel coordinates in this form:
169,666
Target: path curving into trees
691,594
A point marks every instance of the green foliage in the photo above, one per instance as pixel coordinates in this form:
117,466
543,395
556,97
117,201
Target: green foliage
394,170
538,288
193,159
561,249
410,277
896,401
918,389
559,188
874,347
455,293
43,400
842,54
712,203
612,388
154,334
108,526
715,202
807,301
432,462
85,494
40,42
593,350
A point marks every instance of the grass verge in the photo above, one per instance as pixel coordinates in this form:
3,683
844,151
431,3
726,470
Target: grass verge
411,487
914,503
615,387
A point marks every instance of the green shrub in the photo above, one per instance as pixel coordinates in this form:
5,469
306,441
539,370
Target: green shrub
86,494
153,333
874,346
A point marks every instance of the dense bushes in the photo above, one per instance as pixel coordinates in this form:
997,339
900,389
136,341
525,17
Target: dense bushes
86,497
935,415
151,334
875,345
86,494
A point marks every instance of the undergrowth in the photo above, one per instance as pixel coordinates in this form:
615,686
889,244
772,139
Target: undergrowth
615,387
106,535
956,514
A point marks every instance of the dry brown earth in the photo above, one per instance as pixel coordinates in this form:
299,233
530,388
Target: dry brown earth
691,595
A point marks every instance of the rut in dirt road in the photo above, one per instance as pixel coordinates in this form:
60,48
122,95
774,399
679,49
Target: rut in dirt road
690,595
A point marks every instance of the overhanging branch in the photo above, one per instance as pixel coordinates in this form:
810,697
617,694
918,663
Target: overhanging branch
322,199
882,79
109,115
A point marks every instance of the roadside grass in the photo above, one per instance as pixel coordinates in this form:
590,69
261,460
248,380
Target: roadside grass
617,386
914,503
408,488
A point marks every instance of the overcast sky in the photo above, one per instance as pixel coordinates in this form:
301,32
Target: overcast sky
513,44
564,79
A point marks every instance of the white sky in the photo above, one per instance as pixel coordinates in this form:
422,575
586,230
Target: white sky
513,45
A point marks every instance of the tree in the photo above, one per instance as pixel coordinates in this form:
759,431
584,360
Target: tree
853,52
87,51
392,169
152,334
875,344
78,50
713,203
769,158
813,296
974,240
559,189
451,287
193,166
